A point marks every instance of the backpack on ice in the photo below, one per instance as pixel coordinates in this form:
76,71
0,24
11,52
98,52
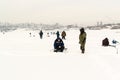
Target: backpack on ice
105,42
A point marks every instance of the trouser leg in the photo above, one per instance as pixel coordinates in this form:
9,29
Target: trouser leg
82,47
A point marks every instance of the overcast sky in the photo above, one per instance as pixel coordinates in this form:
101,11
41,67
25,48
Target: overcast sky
85,12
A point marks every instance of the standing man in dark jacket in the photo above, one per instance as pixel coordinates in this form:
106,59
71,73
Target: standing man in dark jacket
41,34
82,39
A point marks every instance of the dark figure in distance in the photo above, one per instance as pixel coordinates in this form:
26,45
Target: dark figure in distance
105,42
30,34
63,34
41,34
58,34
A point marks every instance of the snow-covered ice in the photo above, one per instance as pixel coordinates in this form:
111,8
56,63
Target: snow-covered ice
30,58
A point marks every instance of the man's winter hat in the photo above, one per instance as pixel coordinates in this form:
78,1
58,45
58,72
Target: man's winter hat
82,29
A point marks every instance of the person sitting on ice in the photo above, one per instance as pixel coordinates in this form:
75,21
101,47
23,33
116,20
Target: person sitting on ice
105,42
58,45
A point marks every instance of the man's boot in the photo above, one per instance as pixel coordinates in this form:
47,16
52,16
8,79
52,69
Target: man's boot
83,50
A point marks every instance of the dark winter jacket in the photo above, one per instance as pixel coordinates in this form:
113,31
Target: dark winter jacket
41,33
63,33
105,42
58,43
58,34
82,38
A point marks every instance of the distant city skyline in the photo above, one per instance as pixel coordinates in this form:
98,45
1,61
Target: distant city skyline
83,12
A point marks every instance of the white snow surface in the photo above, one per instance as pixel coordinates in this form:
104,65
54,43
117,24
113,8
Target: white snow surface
30,58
